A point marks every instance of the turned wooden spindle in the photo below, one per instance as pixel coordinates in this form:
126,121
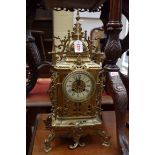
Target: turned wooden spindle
115,85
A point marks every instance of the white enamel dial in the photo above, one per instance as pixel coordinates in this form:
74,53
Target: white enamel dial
78,86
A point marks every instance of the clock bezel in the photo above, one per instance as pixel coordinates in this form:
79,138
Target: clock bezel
79,72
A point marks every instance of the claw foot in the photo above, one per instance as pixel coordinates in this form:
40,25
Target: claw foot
76,143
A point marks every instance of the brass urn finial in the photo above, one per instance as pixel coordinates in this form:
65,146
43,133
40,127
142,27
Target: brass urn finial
77,29
78,16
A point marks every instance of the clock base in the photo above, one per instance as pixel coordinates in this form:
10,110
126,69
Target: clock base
75,128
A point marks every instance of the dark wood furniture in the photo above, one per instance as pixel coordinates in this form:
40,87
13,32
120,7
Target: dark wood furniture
115,86
94,147
42,30
39,34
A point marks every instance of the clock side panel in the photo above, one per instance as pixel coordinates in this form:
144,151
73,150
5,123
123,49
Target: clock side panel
60,93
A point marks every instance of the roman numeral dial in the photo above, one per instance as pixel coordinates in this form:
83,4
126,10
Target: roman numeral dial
78,86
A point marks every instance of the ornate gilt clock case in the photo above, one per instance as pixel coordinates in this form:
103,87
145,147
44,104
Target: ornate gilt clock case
75,90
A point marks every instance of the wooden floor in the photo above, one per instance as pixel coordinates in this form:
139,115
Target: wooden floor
60,145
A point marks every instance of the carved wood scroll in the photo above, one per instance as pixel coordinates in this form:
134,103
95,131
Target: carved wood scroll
118,92
114,27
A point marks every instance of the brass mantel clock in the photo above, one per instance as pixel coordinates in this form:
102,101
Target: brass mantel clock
75,90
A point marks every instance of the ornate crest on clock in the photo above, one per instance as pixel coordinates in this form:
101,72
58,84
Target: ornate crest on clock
75,90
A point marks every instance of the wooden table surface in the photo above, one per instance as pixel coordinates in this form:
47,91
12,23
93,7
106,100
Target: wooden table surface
60,145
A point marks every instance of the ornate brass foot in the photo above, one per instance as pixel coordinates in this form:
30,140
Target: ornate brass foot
47,142
73,146
82,144
105,138
77,133
76,144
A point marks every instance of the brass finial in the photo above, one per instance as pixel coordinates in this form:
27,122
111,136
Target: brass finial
78,16
77,29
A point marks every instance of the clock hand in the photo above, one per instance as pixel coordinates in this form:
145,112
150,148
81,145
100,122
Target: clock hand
79,79
77,83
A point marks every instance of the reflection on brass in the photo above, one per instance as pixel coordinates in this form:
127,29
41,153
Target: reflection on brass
75,91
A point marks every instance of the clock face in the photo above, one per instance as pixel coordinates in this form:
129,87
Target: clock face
79,86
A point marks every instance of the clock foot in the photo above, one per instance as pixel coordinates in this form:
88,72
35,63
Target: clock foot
48,141
82,144
75,145
76,142
105,138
